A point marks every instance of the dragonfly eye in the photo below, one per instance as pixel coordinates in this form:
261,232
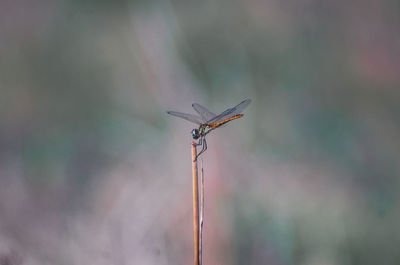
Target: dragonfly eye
195,134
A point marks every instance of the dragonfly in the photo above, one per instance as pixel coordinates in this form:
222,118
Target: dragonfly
208,121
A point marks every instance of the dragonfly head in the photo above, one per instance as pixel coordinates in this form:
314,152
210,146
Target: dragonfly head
195,134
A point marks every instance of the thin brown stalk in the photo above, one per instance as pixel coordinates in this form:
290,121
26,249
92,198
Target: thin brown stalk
196,227
201,213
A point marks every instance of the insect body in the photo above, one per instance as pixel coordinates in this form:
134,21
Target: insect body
208,121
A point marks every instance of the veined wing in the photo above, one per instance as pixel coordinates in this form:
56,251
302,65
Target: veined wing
231,112
189,117
205,114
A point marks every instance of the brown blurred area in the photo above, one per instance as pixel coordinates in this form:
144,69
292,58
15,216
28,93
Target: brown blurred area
93,171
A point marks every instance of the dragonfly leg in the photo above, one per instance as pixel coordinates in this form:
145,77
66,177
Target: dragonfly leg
204,147
200,142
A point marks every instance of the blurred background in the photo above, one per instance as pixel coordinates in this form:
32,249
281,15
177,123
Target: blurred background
93,171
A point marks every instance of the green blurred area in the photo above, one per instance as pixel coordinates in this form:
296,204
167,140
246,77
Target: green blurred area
85,85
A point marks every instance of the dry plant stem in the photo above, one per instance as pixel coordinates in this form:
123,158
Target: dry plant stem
201,212
196,227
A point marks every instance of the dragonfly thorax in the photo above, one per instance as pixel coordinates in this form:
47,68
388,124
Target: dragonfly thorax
201,131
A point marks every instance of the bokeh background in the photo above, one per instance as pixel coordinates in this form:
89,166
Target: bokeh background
93,171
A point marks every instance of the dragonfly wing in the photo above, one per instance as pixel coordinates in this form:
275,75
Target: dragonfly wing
231,112
205,114
189,117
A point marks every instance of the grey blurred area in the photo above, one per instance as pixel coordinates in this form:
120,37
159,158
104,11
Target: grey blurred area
93,171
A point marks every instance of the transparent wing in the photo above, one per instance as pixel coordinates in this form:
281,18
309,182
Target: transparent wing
189,117
205,114
231,112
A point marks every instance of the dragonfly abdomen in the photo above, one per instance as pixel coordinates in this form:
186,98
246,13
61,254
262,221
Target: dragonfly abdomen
220,123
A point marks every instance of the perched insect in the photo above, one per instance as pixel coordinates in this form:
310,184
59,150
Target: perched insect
208,121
